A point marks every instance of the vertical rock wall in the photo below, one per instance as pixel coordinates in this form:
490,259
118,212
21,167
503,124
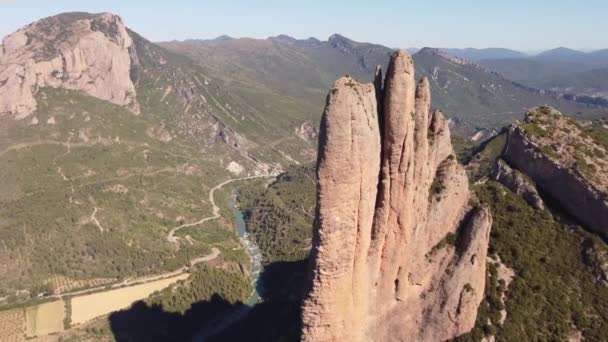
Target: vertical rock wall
398,253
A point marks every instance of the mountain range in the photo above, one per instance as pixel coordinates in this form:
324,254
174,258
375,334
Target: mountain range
472,95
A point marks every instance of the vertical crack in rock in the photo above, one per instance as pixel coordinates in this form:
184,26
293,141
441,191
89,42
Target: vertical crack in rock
390,194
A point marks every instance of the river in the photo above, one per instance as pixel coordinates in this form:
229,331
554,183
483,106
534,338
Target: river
252,249
255,256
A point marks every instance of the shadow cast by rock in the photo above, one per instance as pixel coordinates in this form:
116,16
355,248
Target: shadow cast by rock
276,318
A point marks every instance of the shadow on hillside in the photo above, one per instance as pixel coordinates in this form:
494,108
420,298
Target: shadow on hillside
277,318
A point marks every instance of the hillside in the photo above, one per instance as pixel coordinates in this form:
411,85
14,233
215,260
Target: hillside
298,72
481,98
101,157
593,82
473,54
551,243
561,70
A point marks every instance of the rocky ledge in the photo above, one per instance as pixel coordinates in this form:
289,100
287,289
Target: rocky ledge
566,161
399,248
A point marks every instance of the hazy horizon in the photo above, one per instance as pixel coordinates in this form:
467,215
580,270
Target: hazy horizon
477,24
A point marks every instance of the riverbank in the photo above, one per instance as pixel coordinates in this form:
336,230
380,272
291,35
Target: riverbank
79,307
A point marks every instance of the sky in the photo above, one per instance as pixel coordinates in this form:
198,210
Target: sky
526,25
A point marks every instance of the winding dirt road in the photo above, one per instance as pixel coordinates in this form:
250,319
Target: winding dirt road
216,210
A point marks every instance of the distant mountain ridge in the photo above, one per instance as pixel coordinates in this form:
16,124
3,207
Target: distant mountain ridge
301,70
486,53
554,69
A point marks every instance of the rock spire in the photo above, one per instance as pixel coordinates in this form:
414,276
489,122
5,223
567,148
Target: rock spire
399,251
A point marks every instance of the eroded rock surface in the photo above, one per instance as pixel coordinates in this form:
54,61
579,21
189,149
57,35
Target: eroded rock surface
88,52
565,161
398,252
517,182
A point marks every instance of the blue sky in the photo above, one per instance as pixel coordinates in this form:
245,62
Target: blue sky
524,25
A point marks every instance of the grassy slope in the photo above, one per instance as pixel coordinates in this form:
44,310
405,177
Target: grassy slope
261,114
554,292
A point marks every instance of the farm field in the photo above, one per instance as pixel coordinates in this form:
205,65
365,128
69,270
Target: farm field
87,307
12,326
44,319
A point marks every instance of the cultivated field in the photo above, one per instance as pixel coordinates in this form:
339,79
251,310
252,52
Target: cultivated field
44,319
12,326
62,284
87,307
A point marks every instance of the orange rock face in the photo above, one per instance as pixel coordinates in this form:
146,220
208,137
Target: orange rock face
398,252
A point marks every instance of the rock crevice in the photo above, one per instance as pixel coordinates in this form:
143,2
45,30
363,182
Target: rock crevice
382,206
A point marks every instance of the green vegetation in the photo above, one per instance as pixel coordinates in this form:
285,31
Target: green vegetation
533,129
549,151
488,152
438,184
67,320
204,282
260,114
280,215
448,240
94,194
464,147
598,133
554,291
288,81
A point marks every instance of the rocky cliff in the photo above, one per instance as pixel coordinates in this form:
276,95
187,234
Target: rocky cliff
78,51
516,182
399,253
565,160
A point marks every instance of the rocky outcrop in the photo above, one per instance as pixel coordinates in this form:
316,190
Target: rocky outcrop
78,51
552,154
516,182
398,253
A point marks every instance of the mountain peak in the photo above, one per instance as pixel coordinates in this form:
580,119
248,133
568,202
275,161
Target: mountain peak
76,50
283,38
561,52
223,38
428,51
431,51
338,39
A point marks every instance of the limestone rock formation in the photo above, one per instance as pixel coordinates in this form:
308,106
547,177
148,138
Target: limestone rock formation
516,182
88,52
399,253
565,162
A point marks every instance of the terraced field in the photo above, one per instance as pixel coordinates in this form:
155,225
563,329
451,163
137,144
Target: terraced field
62,284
